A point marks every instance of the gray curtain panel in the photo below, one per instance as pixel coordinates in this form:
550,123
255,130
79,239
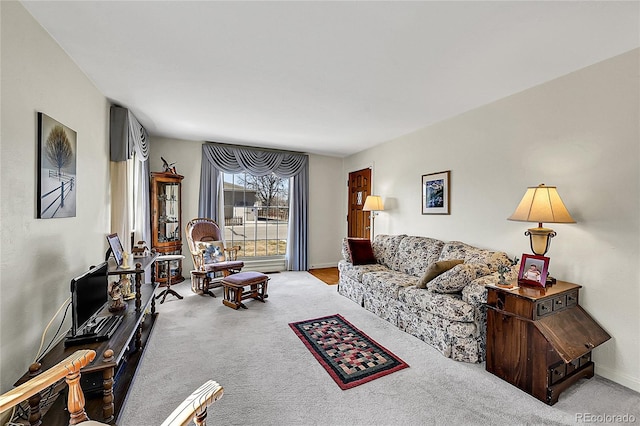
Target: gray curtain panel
126,137
221,158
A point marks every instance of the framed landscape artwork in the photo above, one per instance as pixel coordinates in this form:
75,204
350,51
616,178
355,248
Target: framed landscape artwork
56,169
435,193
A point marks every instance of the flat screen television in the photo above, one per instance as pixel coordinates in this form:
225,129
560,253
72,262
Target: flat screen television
89,294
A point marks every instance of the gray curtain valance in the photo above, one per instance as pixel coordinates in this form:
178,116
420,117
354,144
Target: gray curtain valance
230,159
126,136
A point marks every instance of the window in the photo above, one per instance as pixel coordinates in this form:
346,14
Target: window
256,214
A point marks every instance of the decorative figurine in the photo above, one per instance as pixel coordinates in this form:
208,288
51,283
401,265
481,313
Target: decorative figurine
168,168
503,269
126,288
117,304
140,249
125,260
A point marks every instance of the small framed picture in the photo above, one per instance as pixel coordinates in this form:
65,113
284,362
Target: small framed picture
116,248
435,193
533,270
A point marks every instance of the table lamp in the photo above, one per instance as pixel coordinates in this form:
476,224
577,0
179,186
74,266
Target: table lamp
373,203
541,204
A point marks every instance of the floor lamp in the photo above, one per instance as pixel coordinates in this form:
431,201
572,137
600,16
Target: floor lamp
373,204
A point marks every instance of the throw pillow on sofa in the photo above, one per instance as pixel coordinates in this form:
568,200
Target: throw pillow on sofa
457,278
360,251
436,269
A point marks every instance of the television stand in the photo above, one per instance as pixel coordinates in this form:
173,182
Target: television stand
121,353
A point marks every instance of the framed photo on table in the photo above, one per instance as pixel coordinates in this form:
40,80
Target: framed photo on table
115,248
435,193
533,270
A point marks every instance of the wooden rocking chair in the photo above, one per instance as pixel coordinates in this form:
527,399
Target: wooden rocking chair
193,408
205,230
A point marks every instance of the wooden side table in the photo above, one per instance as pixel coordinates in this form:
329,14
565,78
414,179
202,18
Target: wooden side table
540,339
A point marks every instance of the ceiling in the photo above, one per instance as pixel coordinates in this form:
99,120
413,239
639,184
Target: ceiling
332,77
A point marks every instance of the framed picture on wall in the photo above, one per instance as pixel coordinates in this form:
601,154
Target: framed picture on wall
435,193
56,169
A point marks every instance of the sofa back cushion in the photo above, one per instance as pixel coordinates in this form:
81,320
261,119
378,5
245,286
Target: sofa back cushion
474,255
415,254
385,249
457,278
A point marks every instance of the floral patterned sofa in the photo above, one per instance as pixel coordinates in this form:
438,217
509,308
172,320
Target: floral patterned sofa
448,311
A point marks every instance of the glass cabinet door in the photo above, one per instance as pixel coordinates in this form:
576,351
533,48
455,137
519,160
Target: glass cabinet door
168,194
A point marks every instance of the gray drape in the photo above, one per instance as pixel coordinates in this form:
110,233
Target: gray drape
126,137
220,158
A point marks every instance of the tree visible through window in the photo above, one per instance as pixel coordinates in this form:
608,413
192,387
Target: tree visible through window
256,214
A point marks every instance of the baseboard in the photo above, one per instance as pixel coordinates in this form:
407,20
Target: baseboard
625,380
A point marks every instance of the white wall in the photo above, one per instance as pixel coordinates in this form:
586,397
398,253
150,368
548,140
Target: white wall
325,177
38,257
579,133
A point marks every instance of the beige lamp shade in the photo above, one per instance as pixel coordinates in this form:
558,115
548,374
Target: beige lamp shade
373,203
541,204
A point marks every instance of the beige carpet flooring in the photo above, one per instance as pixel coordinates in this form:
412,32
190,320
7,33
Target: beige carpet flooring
271,378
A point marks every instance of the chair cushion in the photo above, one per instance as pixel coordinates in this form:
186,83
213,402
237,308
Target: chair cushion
245,278
213,251
223,266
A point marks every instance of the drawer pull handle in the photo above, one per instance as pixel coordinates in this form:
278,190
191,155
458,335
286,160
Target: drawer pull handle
589,345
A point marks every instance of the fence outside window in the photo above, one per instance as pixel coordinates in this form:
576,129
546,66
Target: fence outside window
256,214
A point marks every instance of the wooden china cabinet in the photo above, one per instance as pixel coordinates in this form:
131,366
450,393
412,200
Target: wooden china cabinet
166,223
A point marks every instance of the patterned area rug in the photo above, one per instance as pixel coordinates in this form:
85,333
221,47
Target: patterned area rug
349,356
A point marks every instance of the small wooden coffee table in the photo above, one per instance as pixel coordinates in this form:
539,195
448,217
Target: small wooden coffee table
234,288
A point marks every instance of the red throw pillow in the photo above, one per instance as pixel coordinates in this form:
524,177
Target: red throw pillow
361,251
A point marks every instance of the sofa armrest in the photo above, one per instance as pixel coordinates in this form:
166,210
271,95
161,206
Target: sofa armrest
346,256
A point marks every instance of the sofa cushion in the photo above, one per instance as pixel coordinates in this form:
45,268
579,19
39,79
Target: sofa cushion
415,254
471,254
457,278
355,272
449,306
436,269
360,251
387,284
385,248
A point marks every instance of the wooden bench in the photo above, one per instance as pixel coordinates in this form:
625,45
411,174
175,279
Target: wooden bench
234,288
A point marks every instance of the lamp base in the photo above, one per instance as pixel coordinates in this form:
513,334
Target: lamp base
540,239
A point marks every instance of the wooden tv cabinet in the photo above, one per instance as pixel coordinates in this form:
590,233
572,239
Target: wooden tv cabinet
540,339
107,379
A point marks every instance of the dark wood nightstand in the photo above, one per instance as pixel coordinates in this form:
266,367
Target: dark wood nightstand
540,339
